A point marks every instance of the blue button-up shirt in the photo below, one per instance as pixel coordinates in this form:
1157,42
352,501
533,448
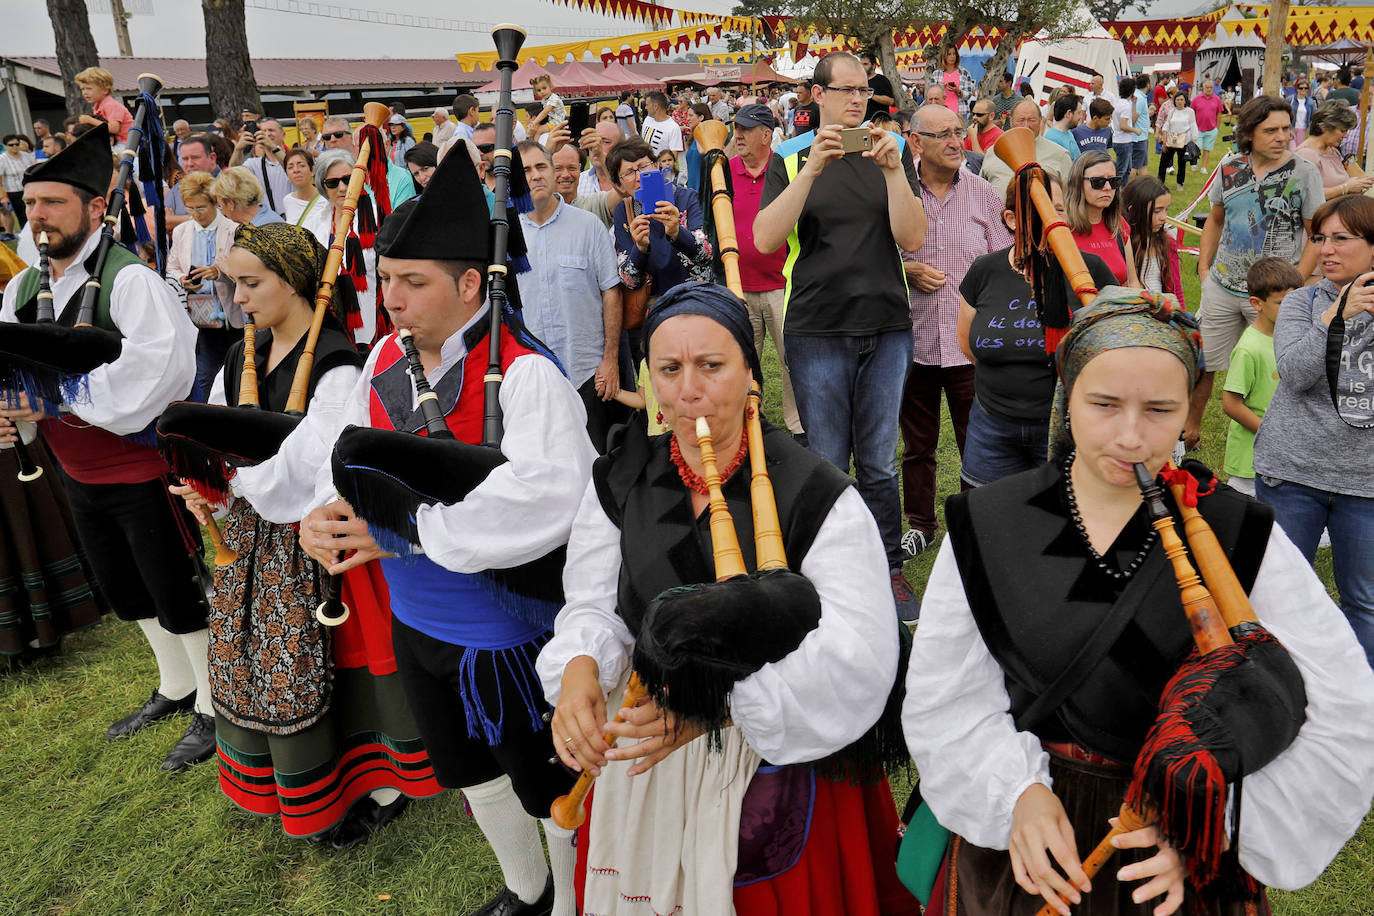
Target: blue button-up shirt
572,262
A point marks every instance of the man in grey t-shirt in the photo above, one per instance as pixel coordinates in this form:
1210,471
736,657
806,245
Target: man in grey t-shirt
1262,204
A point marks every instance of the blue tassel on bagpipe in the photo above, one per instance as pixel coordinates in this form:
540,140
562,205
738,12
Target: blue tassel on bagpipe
152,159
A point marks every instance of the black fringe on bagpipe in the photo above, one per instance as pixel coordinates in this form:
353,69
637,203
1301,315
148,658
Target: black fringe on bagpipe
50,362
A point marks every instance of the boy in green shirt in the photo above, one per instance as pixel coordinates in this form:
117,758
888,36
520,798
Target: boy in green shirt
1254,375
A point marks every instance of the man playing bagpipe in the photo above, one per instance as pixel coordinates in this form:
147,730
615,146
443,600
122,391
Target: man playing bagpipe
468,624
142,544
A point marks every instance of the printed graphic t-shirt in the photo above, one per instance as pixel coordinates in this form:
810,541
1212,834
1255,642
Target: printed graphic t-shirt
1264,217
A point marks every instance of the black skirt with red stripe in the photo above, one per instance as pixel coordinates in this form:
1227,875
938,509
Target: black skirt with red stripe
309,719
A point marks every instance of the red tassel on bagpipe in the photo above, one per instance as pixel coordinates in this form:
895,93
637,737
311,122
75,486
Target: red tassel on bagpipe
1178,776
376,170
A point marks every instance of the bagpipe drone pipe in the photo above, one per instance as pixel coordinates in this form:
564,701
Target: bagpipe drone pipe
204,444
50,358
388,475
1237,700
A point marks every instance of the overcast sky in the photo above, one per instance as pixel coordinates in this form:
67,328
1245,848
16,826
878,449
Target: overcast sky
174,27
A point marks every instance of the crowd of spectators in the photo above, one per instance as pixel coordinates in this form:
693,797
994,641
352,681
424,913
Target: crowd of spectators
885,280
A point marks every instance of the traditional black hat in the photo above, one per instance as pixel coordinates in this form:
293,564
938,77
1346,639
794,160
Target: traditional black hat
85,163
451,220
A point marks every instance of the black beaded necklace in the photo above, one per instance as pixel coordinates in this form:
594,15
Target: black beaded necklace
1102,563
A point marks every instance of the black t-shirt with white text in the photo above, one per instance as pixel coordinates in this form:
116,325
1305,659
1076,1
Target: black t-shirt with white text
1015,377
845,277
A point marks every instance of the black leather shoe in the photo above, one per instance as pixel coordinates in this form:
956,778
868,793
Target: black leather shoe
507,904
196,745
157,708
365,818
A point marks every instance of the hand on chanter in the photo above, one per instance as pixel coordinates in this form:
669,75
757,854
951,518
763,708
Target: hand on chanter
331,531
1165,869
1040,828
659,733
15,407
579,720
200,507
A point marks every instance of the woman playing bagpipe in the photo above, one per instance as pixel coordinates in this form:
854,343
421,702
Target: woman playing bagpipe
745,790
311,720
1045,666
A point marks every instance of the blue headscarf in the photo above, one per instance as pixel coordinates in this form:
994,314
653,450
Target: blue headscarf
714,302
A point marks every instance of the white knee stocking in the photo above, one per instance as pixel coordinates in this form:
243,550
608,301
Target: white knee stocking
513,836
176,676
562,862
196,647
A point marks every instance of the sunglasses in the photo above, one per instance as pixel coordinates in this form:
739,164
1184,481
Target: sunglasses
335,135
485,148
1098,182
332,183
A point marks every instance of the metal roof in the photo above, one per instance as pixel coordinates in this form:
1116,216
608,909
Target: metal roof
187,73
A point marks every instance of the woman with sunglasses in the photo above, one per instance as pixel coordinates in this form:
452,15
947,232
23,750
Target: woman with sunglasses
1092,208
1304,106
1328,486
332,169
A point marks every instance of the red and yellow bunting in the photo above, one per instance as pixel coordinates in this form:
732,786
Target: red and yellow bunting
624,48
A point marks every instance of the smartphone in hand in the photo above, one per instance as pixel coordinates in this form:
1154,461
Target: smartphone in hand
652,189
856,139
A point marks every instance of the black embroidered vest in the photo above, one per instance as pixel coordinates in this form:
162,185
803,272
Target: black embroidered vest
663,545
1041,604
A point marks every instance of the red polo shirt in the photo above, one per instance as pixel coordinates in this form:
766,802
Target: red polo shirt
758,272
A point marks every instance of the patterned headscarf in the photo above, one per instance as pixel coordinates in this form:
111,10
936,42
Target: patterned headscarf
295,255
1120,317
290,252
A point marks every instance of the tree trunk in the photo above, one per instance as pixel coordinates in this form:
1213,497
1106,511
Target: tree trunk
887,53
233,87
71,27
997,64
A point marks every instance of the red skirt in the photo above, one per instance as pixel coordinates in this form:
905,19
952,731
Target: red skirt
364,639
847,867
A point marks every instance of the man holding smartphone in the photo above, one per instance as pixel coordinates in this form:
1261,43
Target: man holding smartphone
847,326
267,140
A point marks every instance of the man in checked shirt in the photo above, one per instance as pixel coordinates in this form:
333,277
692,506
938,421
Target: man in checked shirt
963,222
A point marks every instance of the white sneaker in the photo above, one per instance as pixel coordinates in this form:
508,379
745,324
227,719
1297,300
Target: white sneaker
915,542
1169,170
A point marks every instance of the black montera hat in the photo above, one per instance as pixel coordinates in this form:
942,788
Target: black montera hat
85,163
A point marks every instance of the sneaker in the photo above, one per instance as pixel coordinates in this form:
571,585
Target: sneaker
915,541
908,608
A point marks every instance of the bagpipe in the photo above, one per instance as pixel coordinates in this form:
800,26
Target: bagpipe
205,443
700,700
49,360
697,641
387,475
28,470
1237,700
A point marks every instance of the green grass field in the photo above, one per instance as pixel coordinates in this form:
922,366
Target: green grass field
88,827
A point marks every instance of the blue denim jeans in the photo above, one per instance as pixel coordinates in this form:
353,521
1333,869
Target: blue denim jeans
1303,512
212,346
1124,152
998,447
849,395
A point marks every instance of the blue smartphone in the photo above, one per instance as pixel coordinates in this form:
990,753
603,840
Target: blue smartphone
652,189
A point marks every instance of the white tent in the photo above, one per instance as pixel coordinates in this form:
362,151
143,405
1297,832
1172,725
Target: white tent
1225,58
1051,62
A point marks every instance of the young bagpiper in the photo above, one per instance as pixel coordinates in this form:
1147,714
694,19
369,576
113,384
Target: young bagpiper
466,641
